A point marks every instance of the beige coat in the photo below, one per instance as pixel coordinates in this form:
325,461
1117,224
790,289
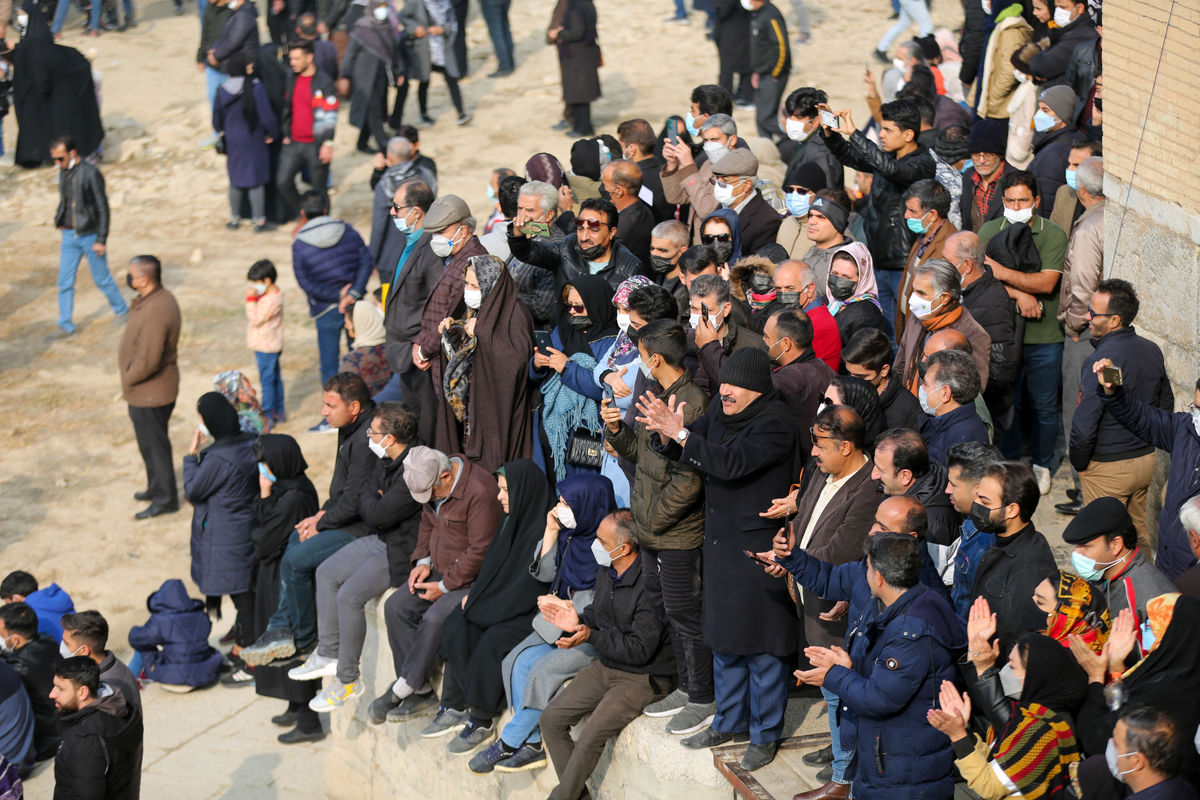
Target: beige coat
691,184
793,237
997,81
1082,269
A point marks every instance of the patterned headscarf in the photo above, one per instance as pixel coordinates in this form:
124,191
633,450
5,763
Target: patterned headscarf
624,344
866,288
239,391
1081,611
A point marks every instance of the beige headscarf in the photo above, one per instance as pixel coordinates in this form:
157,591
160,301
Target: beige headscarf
368,324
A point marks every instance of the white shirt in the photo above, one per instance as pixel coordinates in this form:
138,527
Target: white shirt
827,492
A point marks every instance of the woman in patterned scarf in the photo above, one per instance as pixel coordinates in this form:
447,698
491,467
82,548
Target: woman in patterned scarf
239,391
1073,608
852,292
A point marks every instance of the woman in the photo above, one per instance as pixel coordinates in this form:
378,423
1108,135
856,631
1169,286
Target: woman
752,282
722,231
1073,608
371,64
221,483
365,326
498,610
429,30
847,390
285,496
485,399
587,328
1030,742
573,30
851,291
242,113
239,391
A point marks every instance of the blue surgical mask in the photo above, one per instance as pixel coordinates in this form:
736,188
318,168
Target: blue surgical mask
265,472
1071,178
915,225
1146,634
967,165
689,122
1042,121
401,223
797,203
1088,569
491,194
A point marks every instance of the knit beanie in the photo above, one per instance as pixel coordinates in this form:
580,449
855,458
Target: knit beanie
748,368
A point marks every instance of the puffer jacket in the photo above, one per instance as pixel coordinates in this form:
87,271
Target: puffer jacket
564,258
991,307
101,753
89,203
221,483
174,641
326,255
387,506
667,500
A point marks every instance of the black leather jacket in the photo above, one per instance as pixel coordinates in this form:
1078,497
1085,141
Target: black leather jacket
564,258
90,203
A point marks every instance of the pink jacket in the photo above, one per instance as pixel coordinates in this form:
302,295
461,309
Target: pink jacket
264,332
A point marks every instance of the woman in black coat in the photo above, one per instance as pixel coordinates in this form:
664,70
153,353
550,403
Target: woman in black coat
371,64
242,112
579,61
853,297
732,36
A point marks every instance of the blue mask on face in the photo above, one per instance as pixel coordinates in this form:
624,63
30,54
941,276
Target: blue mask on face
689,122
1071,179
797,203
1042,121
967,165
915,225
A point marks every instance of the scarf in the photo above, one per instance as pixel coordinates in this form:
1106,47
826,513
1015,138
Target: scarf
564,410
931,324
866,288
597,296
235,387
624,345
460,345
368,324
1036,752
1081,611
282,456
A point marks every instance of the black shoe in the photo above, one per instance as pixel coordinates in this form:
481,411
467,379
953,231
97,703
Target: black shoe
881,57
142,496
825,774
264,227
759,755
1070,508
413,706
285,720
362,148
426,119
155,510
377,712
706,738
561,125
297,736
1074,494
500,73
818,758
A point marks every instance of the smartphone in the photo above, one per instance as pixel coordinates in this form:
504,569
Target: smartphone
610,395
538,229
828,118
750,554
673,130
541,340
1113,375
704,310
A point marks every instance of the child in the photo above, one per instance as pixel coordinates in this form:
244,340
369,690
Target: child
264,335
172,647
365,327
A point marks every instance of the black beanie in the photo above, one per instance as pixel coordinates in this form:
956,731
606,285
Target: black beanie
748,368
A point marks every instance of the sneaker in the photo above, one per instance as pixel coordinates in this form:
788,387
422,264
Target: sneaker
238,677
881,57
334,696
177,688
210,141
469,738
804,39
315,667
412,706
680,20
264,227
464,118
322,427
669,706
377,712
271,645
1043,478
528,756
447,720
692,718
485,761
425,119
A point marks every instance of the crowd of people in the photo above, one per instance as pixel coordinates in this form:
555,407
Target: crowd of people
662,437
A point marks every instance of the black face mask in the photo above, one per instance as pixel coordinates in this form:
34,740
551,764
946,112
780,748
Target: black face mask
760,282
788,298
580,323
632,333
1098,103
981,515
129,280
841,288
661,264
593,252
723,250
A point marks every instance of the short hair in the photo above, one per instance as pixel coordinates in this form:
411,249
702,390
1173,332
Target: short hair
896,557
307,25
66,142
968,245
18,582
723,122
794,324
803,102
653,303
916,519
709,286
314,204
942,276
88,627
1122,299
672,230
622,520
712,99
261,270
931,195
626,174
1153,733
869,348
81,671
21,619
409,132
1018,177
972,459
1017,485
603,207
847,256
903,113
1093,146
697,258
398,420
546,194
1090,175
958,371
836,194
921,81
302,44
350,387
1189,516
399,148
908,450
638,133
665,338
914,50
843,424
417,193
149,266
506,195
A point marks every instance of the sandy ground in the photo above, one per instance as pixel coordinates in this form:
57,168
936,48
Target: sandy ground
70,463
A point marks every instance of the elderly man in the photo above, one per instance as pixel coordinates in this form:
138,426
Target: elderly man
592,249
1189,519
386,238
950,339
926,205
537,204
689,182
947,395
622,180
796,288
148,362
736,188
980,202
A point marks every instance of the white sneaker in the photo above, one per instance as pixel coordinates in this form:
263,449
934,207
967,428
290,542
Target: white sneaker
1043,478
334,696
314,668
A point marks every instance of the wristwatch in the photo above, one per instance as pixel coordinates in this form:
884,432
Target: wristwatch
681,437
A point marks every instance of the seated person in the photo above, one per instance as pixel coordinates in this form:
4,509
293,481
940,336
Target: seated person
34,657
86,634
49,603
172,647
366,358
16,723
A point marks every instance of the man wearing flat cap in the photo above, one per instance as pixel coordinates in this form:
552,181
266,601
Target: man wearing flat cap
1052,140
734,188
980,202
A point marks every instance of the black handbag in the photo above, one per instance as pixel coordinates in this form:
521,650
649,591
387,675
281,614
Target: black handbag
585,449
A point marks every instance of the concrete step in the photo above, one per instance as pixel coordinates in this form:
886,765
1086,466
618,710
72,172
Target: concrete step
784,777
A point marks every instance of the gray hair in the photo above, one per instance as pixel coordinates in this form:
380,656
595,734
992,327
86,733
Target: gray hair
546,193
968,245
443,462
710,285
958,371
622,520
1090,175
1189,515
943,276
722,121
399,148
672,230
470,222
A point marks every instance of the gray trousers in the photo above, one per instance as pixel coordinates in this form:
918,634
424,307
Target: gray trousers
766,104
345,582
801,17
1074,354
414,629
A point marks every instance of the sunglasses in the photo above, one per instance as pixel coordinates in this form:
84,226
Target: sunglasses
709,238
590,224
577,308
1098,314
812,432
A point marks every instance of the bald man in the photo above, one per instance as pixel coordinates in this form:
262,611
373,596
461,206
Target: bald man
622,182
796,286
950,339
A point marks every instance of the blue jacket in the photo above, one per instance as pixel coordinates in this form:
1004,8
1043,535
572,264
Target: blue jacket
1175,433
326,255
972,545
50,603
960,425
16,719
901,654
174,641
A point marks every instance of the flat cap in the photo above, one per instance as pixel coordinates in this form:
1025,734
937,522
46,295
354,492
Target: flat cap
446,210
1104,515
739,161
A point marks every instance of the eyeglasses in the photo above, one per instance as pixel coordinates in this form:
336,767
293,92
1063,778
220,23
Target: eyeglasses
590,224
578,308
373,433
1098,314
709,238
397,209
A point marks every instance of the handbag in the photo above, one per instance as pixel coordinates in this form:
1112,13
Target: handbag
585,449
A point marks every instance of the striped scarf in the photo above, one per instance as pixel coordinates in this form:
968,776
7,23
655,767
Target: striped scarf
1034,755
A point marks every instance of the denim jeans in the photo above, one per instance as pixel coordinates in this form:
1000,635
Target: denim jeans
841,757
523,727
1037,396
392,391
889,291
60,15
495,13
680,10
330,326
272,385
75,247
910,11
213,79
297,609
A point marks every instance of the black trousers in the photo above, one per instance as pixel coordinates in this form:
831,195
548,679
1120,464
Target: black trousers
294,157
150,428
417,388
376,114
673,577
581,116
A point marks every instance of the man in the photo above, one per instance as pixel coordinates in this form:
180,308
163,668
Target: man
460,517
897,163
1189,519
49,603
495,14
86,634
1067,208
239,34
325,52
637,141
706,100
936,305
16,721
348,409
1052,142
211,27
749,620
826,228
1106,554
796,287
903,468
622,181
1050,65
419,159
332,266
926,204
713,338
1004,503
622,623
34,657
1037,297
801,120
800,190
308,123
82,216
1083,267
537,201
965,466
980,202
948,391
668,240
770,65
1111,461
798,375
687,180
949,339
101,753
507,191
736,188
148,362
592,249
1149,751
386,239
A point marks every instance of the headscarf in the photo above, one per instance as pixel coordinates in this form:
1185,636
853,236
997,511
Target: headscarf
1159,612
378,39
368,324
597,296
862,397
460,345
1080,611
544,167
866,288
281,453
590,498
239,391
735,230
624,344
219,416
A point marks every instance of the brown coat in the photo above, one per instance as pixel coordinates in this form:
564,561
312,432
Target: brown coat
148,356
457,536
932,250
913,343
691,185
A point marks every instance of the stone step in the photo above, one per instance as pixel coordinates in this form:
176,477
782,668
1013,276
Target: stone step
784,777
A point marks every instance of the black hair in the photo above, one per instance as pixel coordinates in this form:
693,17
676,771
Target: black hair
917,519
88,627
417,193
1018,177
18,582
236,67
712,99
803,102
302,44
261,270
653,303
896,557
869,348
350,387
795,325
1018,485
506,194
922,81
904,114
1122,299
696,259
843,424
931,195
1153,733
862,397
81,671
1093,146
20,619
972,459
66,142
666,338
908,450
398,420
602,206
314,204
637,132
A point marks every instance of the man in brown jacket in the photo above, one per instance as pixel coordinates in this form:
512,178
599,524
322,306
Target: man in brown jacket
926,206
148,360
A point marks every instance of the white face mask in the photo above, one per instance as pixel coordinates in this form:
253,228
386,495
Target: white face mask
723,193
376,447
919,306
472,297
1010,683
441,246
380,13
566,517
923,399
1062,17
66,652
603,557
22,21
1018,215
5,646
746,4
1111,755
623,321
794,129
900,66
713,319
1196,420
987,6
715,151
260,288
204,431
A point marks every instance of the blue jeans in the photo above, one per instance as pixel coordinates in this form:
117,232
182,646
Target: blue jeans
751,695
523,727
60,15
888,281
213,78
680,10
75,247
1037,396
297,609
910,11
495,14
841,757
329,335
271,379
392,391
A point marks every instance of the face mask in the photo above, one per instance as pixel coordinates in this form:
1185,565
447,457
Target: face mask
723,193
661,264
760,283
1147,636
5,646
22,21
265,472
1110,750
746,4
441,246
788,298
919,306
915,225
204,431
795,130
1071,179
970,162
645,370
376,447
491,193
260,288
602,556
713,319
472,297
380,13
1062,17
987,7
723,251
1042,121
1088,569
797,203
65,652
981,515
1010,683
593,252
580,323
623,322
689,122
1196,420
401,223
129,280
1018,215
566,517
841,288
899,65
923,399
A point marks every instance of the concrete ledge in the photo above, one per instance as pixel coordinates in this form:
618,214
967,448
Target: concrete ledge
391,760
